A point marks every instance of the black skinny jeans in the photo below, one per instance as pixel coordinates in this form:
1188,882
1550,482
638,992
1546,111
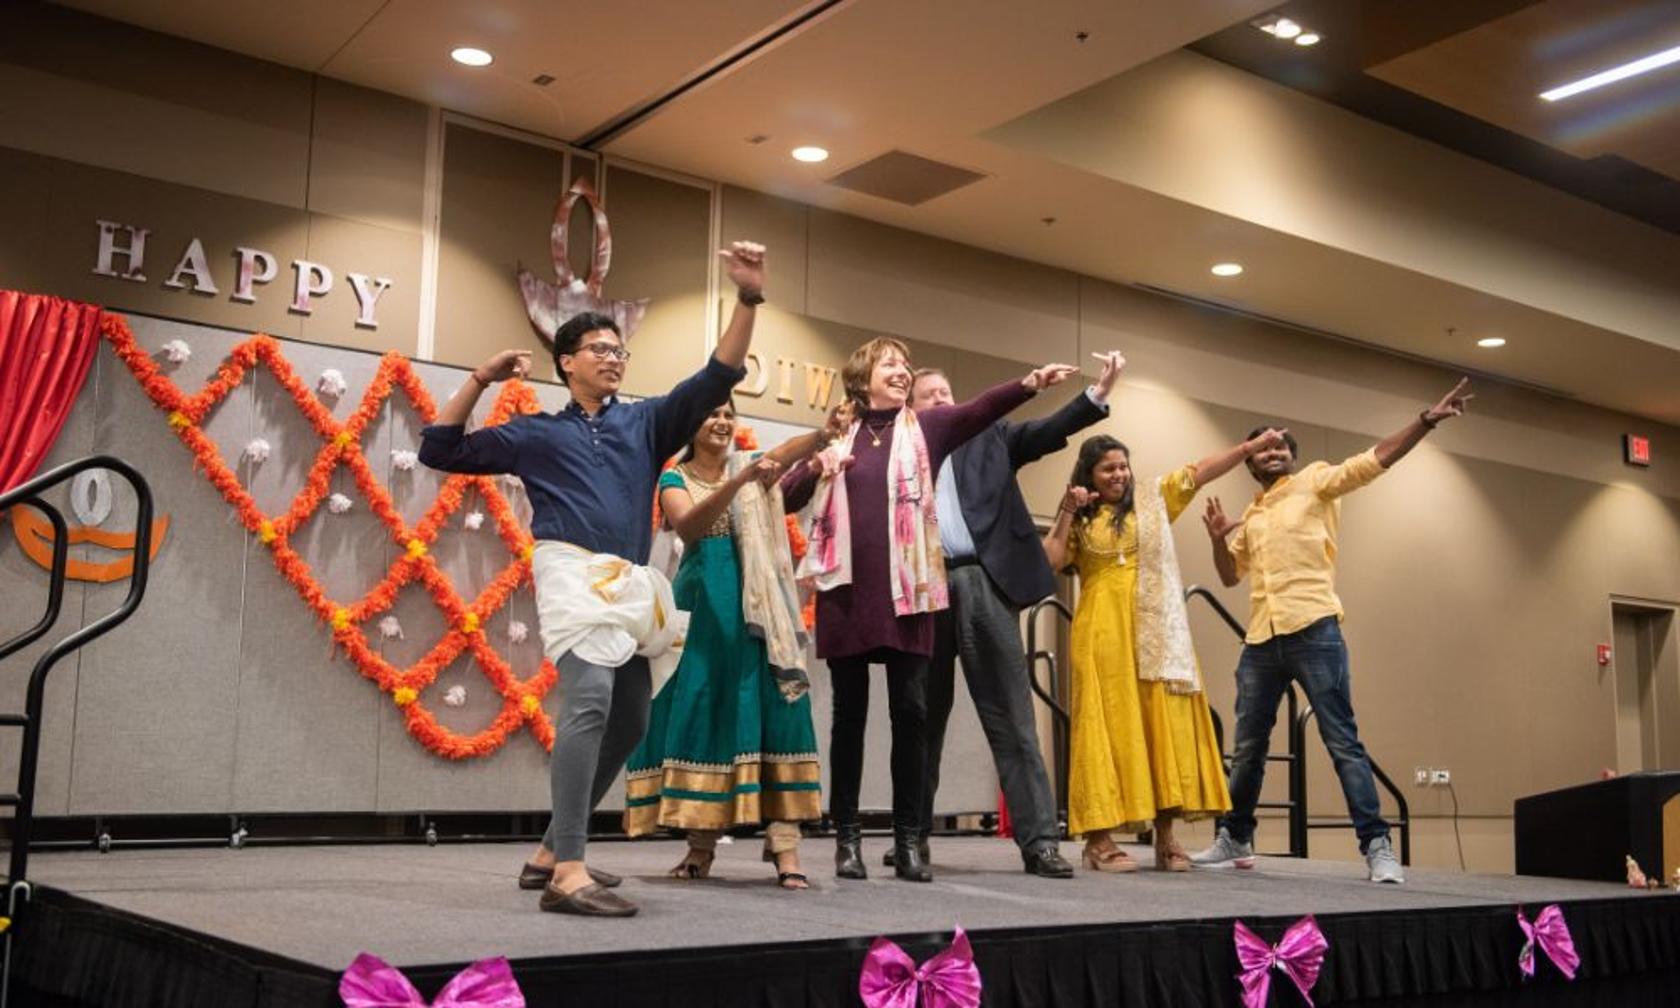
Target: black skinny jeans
907,700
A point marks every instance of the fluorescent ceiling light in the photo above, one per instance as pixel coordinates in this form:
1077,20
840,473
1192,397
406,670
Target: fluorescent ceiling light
1226,269
1491,341
1614,74
810,154
469,56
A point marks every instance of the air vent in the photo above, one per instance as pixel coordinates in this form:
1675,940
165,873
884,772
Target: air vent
543,80
905,178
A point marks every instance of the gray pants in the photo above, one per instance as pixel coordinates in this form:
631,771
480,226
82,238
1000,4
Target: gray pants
984,629
603,714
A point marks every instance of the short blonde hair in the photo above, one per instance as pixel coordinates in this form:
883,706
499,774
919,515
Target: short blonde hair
862,363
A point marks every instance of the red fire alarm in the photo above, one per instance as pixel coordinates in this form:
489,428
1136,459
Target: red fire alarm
1604,654
1636,449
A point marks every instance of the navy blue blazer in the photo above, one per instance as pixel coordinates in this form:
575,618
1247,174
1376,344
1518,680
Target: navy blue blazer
1004,536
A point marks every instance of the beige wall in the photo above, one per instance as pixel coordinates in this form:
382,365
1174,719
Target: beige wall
1477,575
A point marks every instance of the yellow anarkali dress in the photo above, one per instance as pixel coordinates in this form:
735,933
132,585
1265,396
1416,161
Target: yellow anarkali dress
1137,748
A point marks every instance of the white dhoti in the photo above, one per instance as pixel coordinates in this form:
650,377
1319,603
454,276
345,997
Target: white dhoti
601,607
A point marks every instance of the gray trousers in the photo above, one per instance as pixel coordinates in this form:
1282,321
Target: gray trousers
603,714
984,629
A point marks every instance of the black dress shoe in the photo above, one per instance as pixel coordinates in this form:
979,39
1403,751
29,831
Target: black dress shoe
908,863
848,851
536,876
1047,862
591,901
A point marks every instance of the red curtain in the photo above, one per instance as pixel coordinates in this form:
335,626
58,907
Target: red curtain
46,348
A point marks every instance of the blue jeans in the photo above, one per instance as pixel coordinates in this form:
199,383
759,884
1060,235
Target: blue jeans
1317,658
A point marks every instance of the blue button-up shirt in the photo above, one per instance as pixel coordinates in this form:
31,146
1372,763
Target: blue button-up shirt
954,535
590,478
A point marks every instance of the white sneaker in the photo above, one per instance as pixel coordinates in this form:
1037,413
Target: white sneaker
1385,867
1224,850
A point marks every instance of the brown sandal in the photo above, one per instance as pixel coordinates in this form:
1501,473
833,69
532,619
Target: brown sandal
1108,859
784,877
692,866
1172,859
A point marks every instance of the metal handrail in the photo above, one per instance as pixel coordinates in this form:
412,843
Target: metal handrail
1062,721
18,888
1403,821
1296,804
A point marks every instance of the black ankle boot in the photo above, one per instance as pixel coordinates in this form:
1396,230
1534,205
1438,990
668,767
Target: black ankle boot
848,851
921,844
909,856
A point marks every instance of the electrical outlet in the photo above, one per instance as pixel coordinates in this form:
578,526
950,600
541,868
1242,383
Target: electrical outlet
1440,777
1420,776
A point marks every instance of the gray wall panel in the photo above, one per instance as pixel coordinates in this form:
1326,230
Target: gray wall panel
157,700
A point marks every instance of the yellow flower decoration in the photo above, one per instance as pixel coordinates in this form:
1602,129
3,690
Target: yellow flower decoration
530,705
528,552
469,625
416,549
177,420
266,533
341,619
342,440
405,695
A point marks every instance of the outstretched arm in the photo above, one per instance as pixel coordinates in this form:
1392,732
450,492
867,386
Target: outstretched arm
679,413
1220,463
1031,440
1220,527
1393,448
744,262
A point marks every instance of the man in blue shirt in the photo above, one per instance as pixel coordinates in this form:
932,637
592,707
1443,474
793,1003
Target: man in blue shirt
590,470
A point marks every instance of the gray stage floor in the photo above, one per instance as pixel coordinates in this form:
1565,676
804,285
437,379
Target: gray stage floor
415,905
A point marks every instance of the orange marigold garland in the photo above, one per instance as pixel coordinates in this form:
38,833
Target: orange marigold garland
522,699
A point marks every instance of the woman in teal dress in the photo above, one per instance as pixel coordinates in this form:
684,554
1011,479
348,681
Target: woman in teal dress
730,741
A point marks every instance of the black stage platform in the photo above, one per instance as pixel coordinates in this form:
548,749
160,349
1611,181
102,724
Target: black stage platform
276,926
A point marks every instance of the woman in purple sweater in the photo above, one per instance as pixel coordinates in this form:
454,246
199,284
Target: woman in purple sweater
875,558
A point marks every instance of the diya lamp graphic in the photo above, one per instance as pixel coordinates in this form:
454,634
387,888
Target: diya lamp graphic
549,305
90,499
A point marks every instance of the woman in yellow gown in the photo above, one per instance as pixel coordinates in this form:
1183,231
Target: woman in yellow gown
1142,751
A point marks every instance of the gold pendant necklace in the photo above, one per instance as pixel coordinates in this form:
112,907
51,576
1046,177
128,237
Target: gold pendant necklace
875,435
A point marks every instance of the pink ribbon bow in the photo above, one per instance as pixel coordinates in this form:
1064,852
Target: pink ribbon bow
1551,933
1299,955
891,979
372,983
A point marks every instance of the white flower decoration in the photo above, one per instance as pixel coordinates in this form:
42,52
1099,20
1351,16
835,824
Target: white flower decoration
258,450
338,503
517,632
389,627
473,519
455,696
511,481
404,459
332,383
176,351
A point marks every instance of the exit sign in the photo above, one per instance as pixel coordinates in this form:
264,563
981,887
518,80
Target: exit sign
1636,450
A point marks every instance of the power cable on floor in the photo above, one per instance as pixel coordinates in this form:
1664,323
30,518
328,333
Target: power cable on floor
1457,837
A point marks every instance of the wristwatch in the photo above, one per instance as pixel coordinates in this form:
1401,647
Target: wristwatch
752,299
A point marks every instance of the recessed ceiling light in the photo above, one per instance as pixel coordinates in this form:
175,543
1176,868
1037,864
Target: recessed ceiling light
468,56
1307,38
1491,341
1610,76
1284,28
810,154
1227,269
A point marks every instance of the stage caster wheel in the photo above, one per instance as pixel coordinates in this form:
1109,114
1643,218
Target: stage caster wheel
104,843
237,840
431,835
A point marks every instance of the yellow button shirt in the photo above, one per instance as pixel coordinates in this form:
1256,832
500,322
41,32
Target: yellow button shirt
1287,546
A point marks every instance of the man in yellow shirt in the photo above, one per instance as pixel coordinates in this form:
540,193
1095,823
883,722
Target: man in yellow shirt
1285,543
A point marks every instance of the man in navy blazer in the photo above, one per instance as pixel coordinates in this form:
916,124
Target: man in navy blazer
996,567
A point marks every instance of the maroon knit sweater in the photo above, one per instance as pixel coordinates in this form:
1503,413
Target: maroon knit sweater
858,618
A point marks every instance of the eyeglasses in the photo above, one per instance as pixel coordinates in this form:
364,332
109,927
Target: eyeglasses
606,351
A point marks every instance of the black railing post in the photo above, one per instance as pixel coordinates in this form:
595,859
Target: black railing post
1061,723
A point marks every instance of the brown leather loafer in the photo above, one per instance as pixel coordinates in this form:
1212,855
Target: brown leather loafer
536,876
591,901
